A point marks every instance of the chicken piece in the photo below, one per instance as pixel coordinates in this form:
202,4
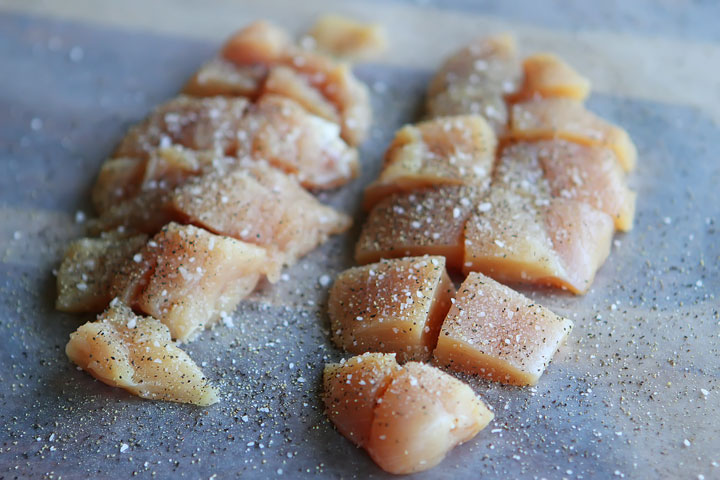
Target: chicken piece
261,205
568,170
286,82
395,306
546,75
196,123
445,151
498,333
136,353
279,131
412,224
407,418
85,275
165,168
249,59
567,119
347,38
188,278
222,77
351,390
475,80
524,239
248,200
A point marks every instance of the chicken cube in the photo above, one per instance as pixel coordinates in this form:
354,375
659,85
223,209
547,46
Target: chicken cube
188,278
412,224
136,353
445,151
555,242
347,38
86,273
567,119
498,333
395,306
546,75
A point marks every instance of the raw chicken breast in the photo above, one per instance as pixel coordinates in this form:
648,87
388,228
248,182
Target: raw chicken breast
445,151
163,169
411,224
261,205
568,170
189,278
274,129
248,61
407,418
136,353
351,390
424,413
85,276
526,239
196,123
475,81
347,38
395,306
567,119
546,75
495,332
281,132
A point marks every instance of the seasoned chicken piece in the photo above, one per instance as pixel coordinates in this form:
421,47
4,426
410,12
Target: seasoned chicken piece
395,306
163,169
249,201
198,123
188,278
424,414
498,333
279,131
445,151
567,119
546,75
85,276
261,205
137,354
412,224
275,129
347,38
249,59
475,80
525,239
222,77
568,170
351,390
407,418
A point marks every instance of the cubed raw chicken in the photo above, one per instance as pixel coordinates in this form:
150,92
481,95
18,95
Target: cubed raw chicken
347,38
189,278
136,353
525,239
546,75
197,123
498,333
275,129
569,170
475,81
456,150
281,132
86,273
163,169
250,201
407,418
567,119
394,306
428,222
351,390
249,59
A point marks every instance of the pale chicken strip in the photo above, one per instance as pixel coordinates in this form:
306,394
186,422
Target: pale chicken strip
136,353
